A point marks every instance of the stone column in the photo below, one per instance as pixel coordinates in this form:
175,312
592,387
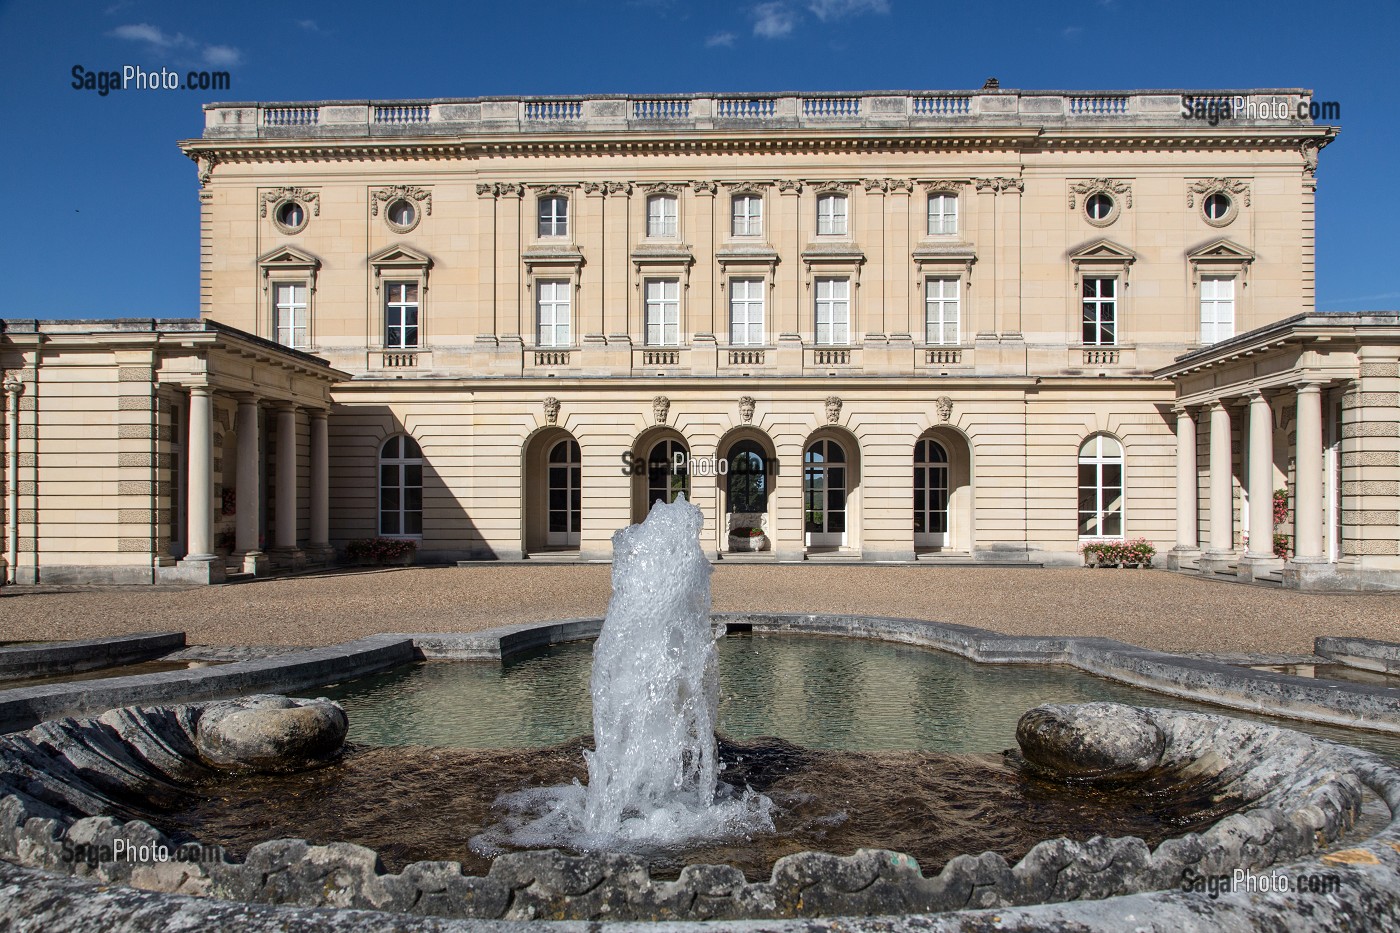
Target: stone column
1309,559
14,387
1222,511
320,531
200,564
286,531
249,486
1188,535
1261,485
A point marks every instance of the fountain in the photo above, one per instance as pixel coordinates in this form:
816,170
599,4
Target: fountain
653,775
1256,796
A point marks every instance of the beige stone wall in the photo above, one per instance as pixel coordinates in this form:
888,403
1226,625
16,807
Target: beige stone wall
87,454
483,451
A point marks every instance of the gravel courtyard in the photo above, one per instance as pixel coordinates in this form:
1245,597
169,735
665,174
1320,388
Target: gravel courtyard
1154,609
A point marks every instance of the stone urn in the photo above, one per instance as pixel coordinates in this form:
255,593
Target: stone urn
748,539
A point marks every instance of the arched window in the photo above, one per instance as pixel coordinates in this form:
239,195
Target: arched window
565,494
942,213
661,216
401,488
824,494
664,482
554,216
748,215
831,215
747,478
930,494
1101,487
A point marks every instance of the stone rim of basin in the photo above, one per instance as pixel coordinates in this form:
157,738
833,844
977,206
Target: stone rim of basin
1301,792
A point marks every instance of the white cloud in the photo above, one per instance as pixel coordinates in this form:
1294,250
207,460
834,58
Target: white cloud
839,9
310,25
222,55
725,39
1071,32
773,20
145,32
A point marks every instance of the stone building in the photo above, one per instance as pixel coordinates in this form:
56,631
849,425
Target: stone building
947,326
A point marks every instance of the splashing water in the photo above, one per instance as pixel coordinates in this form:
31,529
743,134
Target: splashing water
653,778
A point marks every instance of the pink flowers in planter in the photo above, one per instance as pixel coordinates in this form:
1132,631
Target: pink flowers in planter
1135,553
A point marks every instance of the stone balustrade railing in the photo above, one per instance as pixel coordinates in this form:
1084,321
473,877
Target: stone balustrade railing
873,110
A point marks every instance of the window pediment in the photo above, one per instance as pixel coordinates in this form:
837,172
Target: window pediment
1105,252
1221,250
292,262
757,255
545,255
662,259
400,260
931,257
1220,257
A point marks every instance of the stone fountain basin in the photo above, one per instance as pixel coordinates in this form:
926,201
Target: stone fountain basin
68,785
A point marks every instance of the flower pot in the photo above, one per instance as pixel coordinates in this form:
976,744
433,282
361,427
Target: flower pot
747,543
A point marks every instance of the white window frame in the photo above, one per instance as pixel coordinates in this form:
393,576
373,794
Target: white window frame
831,311
1217,309
555,223
942,310
663,216
747,299
833,214
283,331
554,312
663,312
400,463
1091,454
1099,302
942,213
746,213
396,314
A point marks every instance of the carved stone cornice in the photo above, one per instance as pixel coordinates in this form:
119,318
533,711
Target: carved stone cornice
872,185
899,184
999,185
483,188
564,189
206,161
510,189
1208,186
304,196
617,187
827,187
378,196
747,185
704,187
1093,186
789,185
662,187
939,185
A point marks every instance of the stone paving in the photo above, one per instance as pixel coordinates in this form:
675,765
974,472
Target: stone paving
1154,609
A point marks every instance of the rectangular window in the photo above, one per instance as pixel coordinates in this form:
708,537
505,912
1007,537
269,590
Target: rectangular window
554,216
941,305
553,309
289,314
661,216
833,312
942,214
401,315
1217,308
831,215
748,215
663,312
1100,312
746,312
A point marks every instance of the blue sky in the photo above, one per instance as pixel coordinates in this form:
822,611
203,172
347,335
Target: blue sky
107,221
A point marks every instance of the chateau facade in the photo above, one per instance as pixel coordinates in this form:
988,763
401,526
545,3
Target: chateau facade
881,327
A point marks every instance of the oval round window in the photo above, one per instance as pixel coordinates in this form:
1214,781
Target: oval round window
1099,207
290,216
402,213
1218,207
